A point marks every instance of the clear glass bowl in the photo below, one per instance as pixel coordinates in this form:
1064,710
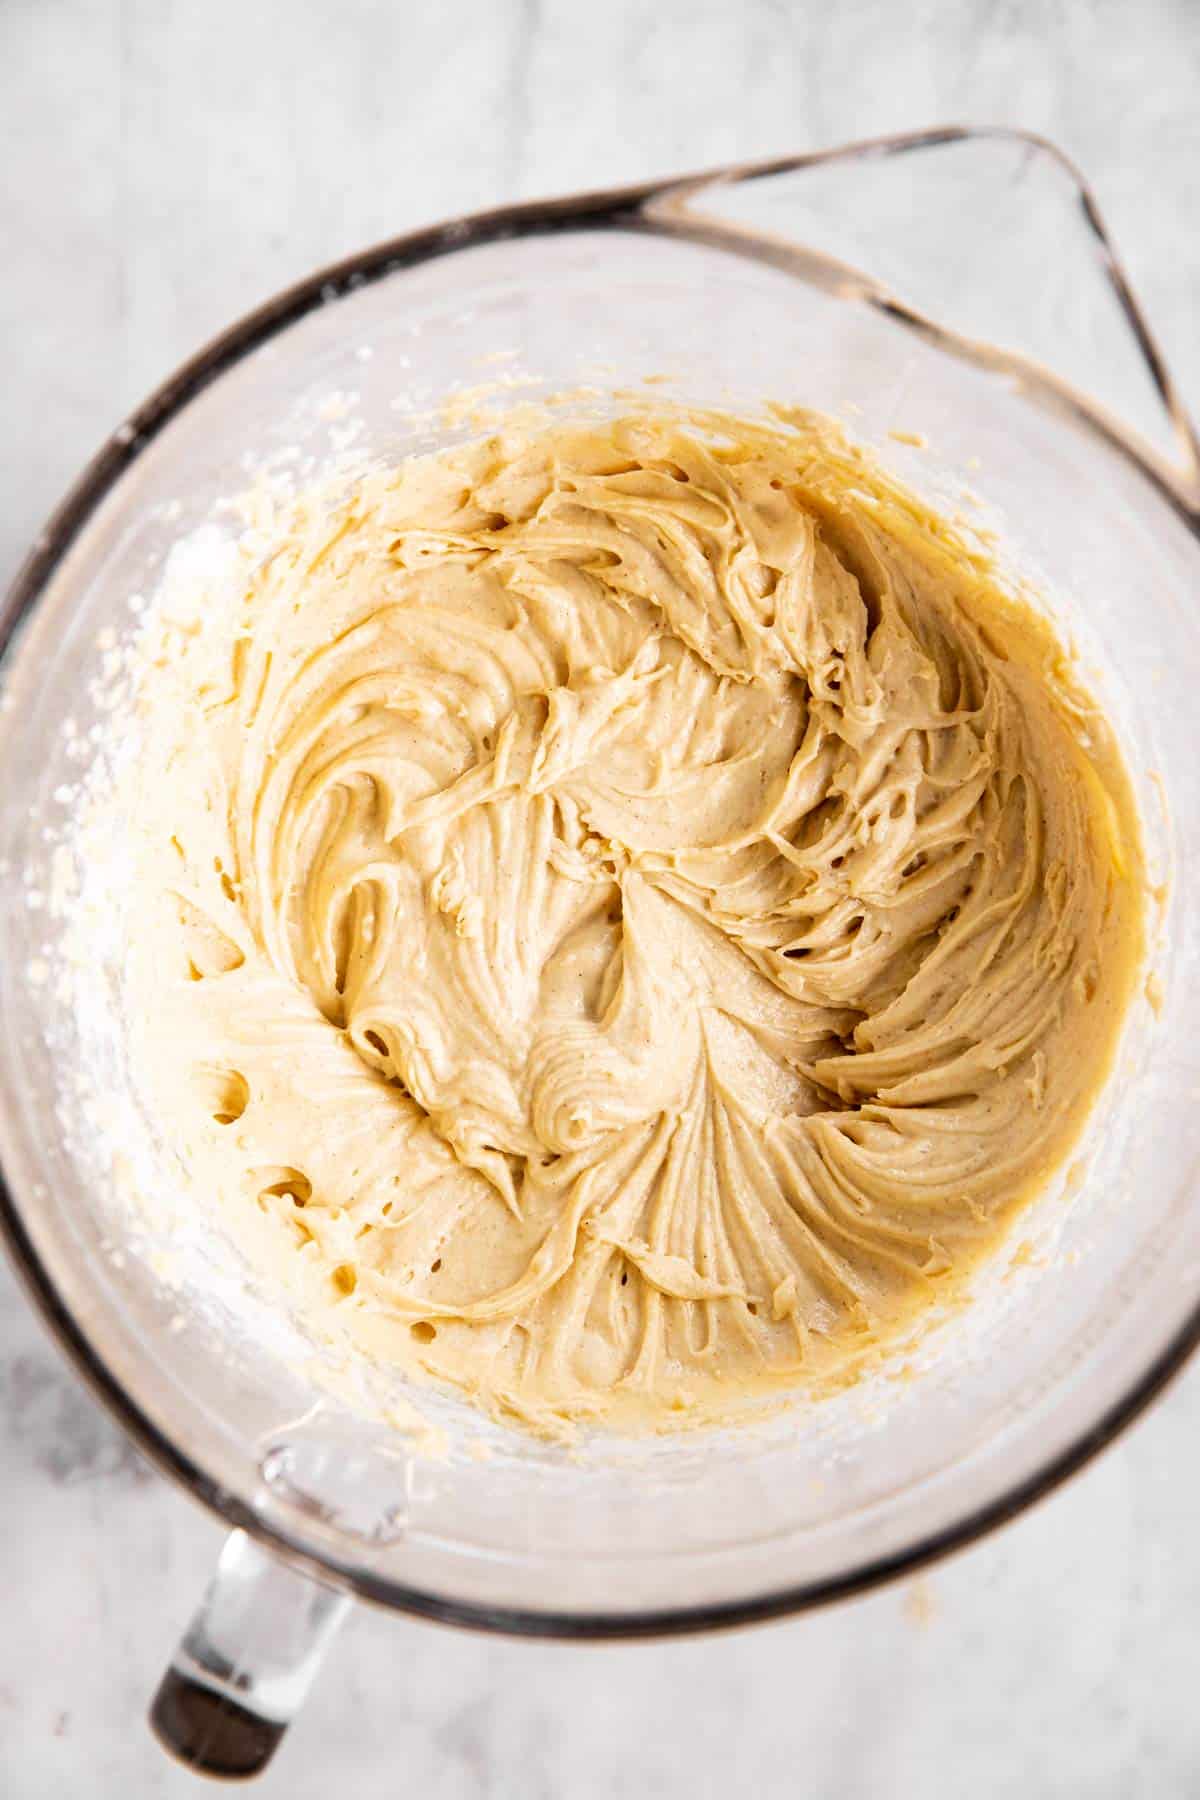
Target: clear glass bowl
951,286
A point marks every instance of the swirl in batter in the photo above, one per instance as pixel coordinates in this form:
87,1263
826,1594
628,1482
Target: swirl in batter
630,912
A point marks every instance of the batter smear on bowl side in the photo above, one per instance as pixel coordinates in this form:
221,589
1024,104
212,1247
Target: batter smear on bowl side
626,914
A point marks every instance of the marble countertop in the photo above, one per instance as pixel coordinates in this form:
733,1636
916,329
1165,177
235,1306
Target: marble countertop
172,164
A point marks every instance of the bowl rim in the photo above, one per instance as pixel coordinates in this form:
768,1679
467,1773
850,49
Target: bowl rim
621,208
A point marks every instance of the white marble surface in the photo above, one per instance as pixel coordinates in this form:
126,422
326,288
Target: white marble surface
168,165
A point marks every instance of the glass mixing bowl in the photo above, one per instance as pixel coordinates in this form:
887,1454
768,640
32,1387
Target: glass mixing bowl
951,288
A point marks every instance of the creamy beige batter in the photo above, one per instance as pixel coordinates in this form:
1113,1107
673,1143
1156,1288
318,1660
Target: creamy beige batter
628,913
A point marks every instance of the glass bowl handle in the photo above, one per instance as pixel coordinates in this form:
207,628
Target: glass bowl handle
907,224
245,1663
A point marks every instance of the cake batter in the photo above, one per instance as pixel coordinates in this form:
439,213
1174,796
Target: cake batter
627,913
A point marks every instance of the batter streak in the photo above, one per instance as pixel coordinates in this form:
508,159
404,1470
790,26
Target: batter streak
628,912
